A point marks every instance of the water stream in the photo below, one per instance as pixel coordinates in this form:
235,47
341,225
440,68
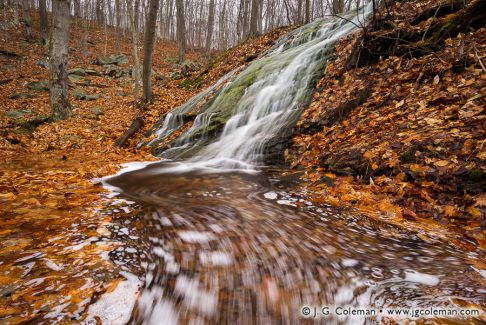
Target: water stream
240,248
224,242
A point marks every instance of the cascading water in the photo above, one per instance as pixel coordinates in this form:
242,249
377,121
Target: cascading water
264,101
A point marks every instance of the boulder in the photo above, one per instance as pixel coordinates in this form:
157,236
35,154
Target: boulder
116,71
114,59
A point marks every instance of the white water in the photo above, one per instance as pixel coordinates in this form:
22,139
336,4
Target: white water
263,101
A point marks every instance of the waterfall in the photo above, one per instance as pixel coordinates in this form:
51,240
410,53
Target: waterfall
236,119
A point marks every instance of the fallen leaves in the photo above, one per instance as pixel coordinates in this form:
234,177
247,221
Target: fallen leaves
419,135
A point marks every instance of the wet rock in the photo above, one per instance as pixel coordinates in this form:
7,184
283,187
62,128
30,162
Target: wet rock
114,59
18,113
42,85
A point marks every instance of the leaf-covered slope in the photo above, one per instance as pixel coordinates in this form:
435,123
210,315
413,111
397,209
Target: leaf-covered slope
405,131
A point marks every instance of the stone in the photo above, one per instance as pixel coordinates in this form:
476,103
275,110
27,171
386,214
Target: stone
18,113
44,62
114,59
75,78
77,71
21,96
96,110
79,93
42,85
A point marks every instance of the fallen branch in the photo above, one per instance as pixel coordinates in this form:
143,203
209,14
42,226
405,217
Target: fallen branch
9,53
137,124
4,81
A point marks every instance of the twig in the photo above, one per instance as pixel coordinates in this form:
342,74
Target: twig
346,19
479,59
428,27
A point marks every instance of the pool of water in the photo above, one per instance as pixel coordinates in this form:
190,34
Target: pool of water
244,248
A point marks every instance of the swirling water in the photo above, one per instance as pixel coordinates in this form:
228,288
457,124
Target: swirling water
240,248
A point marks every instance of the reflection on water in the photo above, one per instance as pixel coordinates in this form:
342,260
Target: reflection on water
239,248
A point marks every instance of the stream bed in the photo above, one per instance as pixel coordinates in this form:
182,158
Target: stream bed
244,248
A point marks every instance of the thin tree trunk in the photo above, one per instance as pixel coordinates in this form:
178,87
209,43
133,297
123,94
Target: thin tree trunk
209,35
43,22
254,19
136,64
16,11
307,17
148,49
117,26
181,30
58,74
26,18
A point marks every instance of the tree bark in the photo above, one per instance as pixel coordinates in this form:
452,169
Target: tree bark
136,64
254,18
307,17
58,74
181,30
117,25
148,49
43,22
26,18
209,35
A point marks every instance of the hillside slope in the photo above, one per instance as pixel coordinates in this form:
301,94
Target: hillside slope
398,122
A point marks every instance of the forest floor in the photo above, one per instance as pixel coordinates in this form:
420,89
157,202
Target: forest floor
49,194
400,134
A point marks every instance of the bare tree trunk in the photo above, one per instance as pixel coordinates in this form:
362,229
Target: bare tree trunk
209,35
136,64
26,18
254,19
16,11
44,34
307,17
337,6
148,49
58,74
117,26
181,30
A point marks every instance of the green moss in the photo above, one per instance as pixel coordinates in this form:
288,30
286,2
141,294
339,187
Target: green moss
477,175
408,157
